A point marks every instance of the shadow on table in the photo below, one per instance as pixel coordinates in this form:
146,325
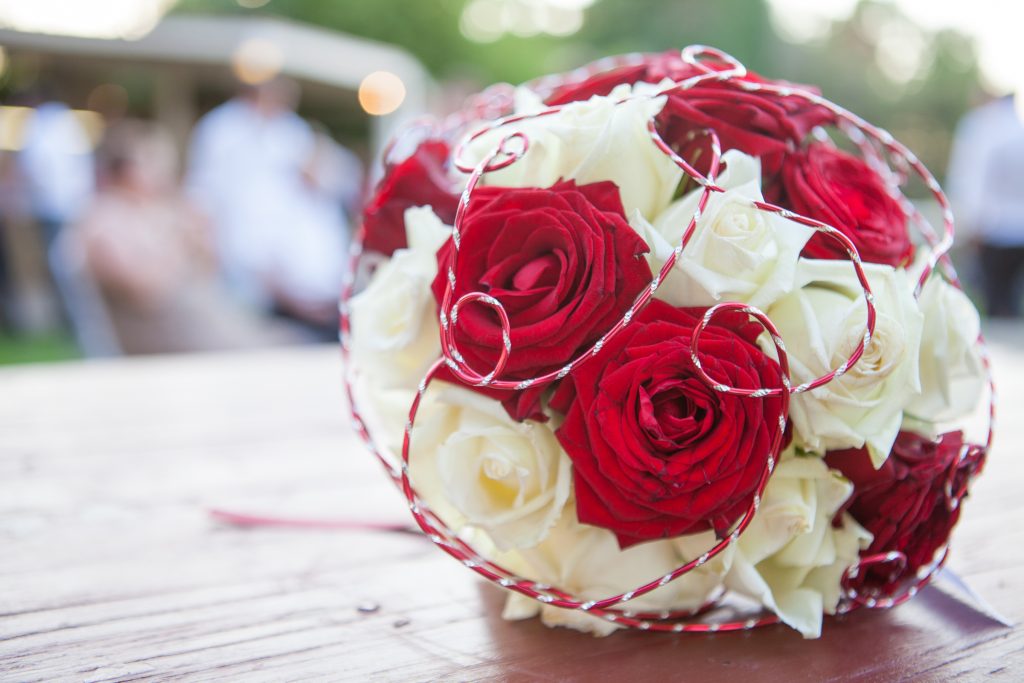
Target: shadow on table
877,645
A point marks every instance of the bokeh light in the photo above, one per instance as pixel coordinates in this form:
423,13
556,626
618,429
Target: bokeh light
257,60
93,19
998,42
485,21
15,120
381,93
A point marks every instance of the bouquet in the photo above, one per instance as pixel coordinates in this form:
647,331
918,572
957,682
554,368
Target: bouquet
661,343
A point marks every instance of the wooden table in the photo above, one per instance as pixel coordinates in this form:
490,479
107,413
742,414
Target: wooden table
111,567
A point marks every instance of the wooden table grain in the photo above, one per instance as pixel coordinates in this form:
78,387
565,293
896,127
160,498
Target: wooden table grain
112,568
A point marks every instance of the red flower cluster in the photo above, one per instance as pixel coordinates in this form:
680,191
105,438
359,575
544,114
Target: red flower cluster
815,180
910,503
657,452
759,123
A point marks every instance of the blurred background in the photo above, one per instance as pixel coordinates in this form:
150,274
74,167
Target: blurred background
185,175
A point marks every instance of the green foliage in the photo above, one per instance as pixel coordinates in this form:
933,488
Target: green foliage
36,348
428,29
740,27
921,110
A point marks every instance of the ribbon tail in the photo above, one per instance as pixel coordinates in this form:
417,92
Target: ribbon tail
949,579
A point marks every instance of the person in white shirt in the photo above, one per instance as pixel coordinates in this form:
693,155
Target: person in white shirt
56,163
986,184
281,246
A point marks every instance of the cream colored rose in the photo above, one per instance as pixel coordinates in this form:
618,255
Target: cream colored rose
952,373
821,323
395,333
736,253
587,561
589,142
791,558
481,469
395,329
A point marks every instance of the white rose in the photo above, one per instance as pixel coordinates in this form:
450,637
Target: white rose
586,561
395,330
952,373
791,558
481,469
736,253
821,324
395,333
589,142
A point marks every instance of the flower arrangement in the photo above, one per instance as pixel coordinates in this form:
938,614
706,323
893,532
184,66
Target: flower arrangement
662,337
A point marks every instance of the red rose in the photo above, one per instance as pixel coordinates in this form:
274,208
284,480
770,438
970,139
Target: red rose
564,263
841,190
652,69
911,503
419,180
656,452
761,123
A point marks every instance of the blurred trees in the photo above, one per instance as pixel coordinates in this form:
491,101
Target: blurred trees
876,63
428,29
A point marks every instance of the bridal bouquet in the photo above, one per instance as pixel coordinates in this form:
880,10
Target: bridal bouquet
661,344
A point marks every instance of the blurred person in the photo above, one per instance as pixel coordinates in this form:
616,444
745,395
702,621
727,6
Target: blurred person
56,162
27,301
308,267
149,252
335,171
10,207
986,183
6,281
265,179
